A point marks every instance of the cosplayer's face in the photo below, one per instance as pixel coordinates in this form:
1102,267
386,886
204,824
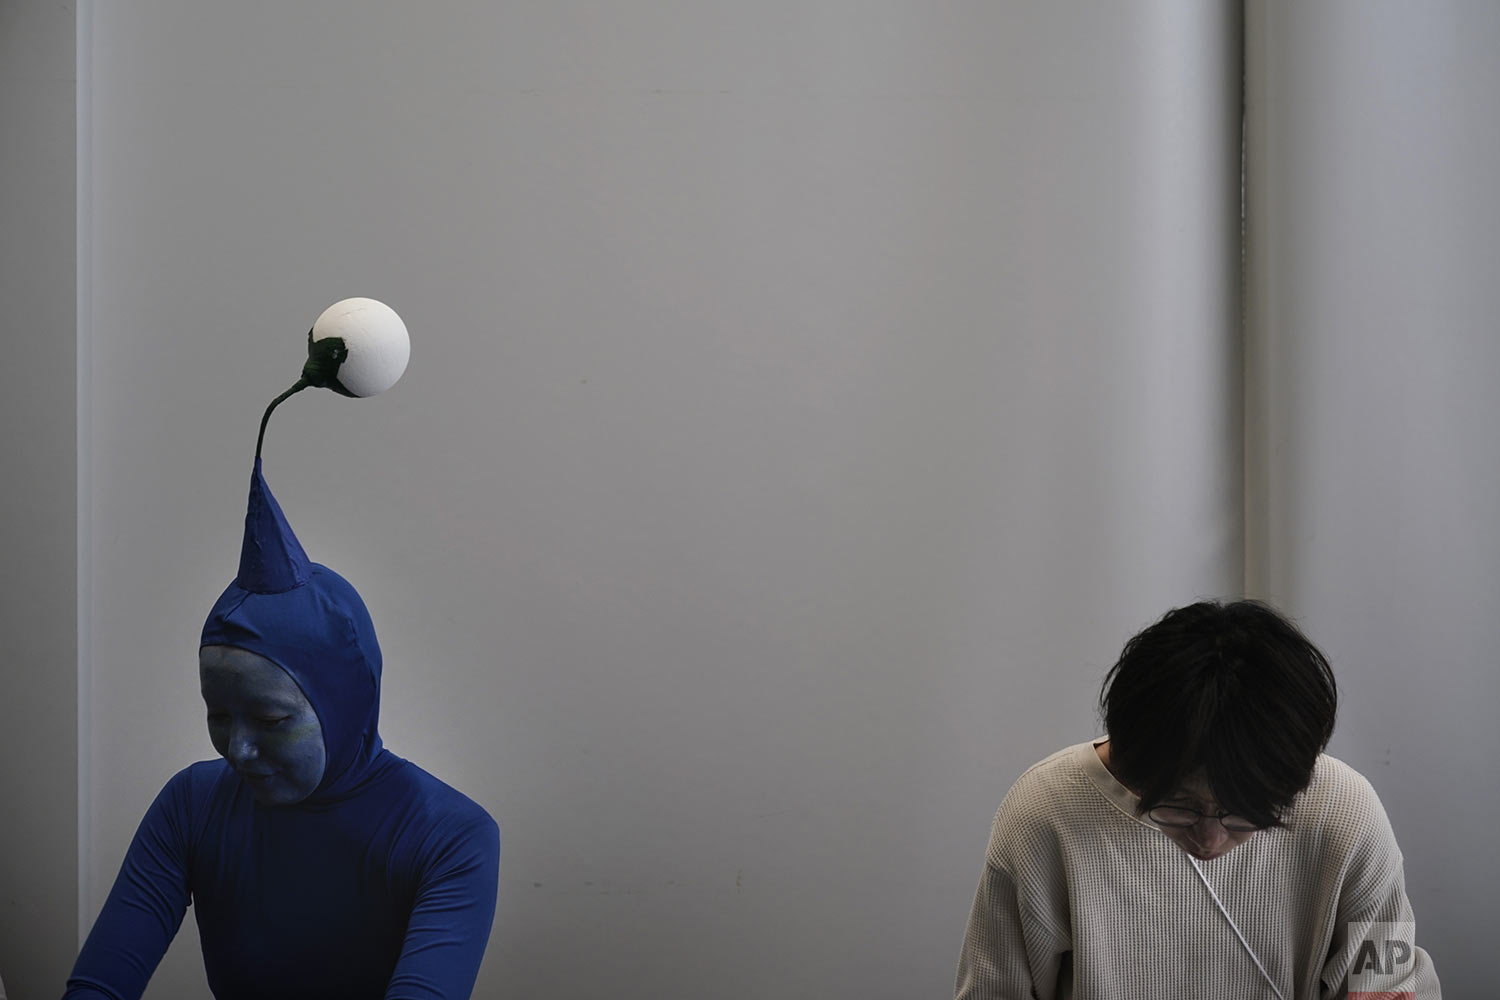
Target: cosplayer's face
1207,839
262,724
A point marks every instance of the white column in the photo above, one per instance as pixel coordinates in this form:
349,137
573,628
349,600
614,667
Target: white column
1374,443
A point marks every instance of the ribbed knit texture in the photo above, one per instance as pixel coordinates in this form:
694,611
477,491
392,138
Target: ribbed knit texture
1082,898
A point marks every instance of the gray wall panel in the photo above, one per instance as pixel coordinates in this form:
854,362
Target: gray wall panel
1373,148
806,401
38,522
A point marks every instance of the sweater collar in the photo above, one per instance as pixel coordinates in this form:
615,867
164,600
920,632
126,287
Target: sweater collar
1087,756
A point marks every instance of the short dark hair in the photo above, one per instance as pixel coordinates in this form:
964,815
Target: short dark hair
1234,691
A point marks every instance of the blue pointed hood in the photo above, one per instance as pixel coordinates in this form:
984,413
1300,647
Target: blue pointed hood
271,558
313,624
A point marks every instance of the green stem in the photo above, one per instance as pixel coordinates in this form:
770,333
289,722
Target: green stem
301,384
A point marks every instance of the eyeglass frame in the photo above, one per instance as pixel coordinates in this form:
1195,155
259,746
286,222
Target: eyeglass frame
1200,816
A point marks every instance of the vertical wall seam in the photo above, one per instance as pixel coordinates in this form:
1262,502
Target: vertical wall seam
1246,405
83,414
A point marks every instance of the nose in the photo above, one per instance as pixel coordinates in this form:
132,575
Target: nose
242,747
1209,834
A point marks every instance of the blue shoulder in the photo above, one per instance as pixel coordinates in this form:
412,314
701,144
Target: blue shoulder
194,785
185,802
442,808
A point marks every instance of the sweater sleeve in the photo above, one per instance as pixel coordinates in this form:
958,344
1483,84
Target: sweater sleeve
1373,908
1000,960
451,917
145,907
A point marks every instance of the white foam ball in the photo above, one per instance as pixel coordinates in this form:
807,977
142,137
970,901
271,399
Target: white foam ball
378,344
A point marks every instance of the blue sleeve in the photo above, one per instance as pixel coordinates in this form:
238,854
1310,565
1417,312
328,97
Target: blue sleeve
145,907
451,916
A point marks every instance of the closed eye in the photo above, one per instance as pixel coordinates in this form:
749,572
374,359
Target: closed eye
272,720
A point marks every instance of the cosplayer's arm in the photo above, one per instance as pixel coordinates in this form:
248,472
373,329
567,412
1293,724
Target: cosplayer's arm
145,907
995,963
1373,893
450,920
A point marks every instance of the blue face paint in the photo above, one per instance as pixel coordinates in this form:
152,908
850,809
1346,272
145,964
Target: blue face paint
262,724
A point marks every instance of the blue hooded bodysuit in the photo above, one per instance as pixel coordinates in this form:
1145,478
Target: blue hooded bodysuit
381,883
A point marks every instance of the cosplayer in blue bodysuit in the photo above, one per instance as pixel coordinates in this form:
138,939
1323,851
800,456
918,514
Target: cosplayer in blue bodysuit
380,882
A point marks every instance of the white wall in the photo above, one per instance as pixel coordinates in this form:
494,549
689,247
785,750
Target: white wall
39,703
1375,227
807,399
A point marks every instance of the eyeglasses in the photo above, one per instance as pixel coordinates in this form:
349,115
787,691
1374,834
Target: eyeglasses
1183,816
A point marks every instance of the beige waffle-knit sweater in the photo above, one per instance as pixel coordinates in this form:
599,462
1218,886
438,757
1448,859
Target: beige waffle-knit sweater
1082,898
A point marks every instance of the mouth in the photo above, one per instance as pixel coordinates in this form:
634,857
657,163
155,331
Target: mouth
257,779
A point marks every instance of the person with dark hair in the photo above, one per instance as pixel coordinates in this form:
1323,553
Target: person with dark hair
1206,846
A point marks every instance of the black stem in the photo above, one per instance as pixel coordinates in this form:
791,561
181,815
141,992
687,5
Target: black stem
301,384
